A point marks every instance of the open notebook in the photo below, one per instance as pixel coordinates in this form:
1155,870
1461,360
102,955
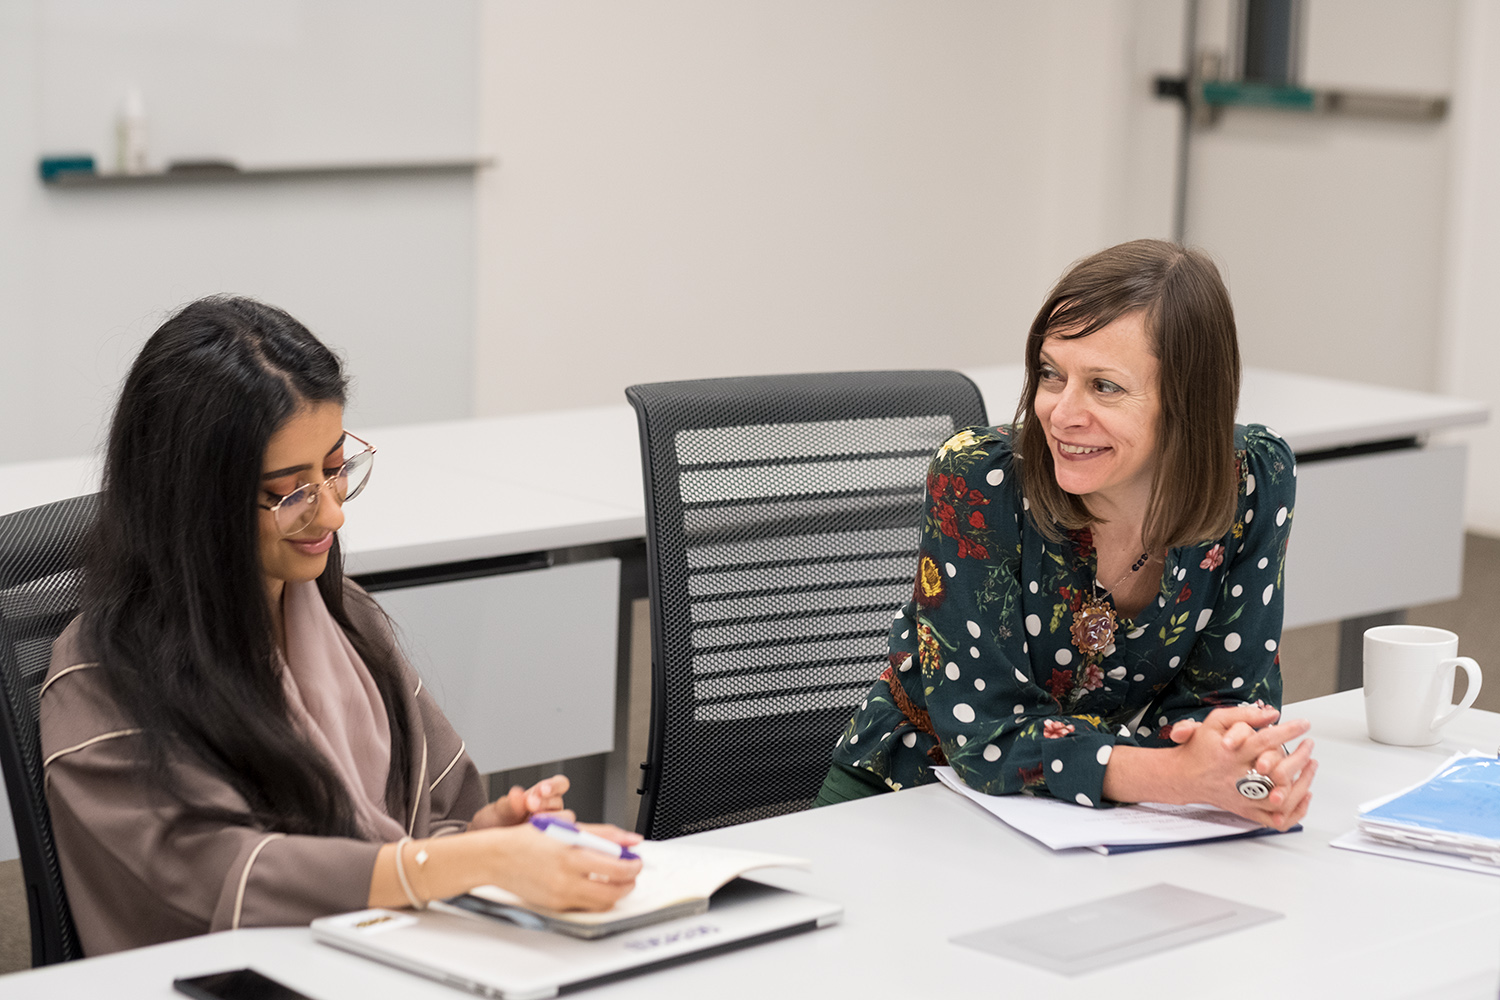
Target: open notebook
676,880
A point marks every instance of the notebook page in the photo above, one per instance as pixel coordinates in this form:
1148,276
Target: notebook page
671,873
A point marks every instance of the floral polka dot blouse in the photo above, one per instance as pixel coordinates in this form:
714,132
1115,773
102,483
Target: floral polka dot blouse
983,672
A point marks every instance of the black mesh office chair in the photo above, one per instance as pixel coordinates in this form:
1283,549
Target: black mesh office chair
40,580
781,536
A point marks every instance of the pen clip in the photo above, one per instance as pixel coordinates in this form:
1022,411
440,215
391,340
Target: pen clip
543,822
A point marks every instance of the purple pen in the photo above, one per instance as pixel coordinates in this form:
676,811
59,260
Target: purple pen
561,829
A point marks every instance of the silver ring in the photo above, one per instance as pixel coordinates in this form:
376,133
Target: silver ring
596,877
1254,785
1285,750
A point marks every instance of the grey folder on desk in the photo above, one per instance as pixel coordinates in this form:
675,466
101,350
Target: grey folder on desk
493,959
1103,932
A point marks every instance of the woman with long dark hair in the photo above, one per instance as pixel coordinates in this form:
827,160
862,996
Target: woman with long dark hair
231,735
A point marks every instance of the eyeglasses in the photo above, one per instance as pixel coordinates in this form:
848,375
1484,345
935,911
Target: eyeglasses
296,510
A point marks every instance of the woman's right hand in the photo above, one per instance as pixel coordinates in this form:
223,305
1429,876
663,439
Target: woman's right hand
541,870
546,872
1216,753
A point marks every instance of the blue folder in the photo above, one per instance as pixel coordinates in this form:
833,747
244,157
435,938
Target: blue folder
1457,811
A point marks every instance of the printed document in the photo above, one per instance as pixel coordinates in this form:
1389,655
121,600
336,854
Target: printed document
1063,824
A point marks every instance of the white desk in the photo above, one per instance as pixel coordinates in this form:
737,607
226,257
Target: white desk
501,498
915,868
501,494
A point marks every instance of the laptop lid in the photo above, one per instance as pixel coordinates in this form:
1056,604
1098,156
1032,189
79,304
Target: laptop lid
513,963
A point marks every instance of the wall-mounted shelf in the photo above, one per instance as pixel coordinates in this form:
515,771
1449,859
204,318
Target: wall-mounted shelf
1212,97
219,171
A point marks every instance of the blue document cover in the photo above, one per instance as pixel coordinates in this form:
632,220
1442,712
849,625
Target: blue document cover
1264,831
1462,799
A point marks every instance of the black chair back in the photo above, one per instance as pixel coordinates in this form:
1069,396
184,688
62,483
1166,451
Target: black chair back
40,584
781,535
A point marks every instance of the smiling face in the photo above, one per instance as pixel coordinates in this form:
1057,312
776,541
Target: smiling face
308,448
1098,404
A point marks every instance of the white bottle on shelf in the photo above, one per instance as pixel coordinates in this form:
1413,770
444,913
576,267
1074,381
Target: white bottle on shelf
130,135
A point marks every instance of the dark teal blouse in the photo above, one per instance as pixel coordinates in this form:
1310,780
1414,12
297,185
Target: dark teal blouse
983,655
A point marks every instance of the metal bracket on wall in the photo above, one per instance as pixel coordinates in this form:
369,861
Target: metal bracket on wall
1208,98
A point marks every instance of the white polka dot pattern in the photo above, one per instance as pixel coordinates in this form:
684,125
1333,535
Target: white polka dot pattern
1058,692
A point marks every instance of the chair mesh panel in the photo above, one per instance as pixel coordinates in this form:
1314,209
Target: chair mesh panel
781,517
40,582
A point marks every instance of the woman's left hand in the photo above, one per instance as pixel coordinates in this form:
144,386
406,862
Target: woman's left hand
1229,731
520,804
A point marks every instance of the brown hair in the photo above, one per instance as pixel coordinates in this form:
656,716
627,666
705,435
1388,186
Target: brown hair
1191,326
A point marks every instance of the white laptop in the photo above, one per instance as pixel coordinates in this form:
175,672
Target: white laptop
512,963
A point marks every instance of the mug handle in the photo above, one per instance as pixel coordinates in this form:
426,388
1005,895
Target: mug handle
1472,669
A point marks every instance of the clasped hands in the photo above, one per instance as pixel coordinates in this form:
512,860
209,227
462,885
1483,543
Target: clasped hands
1227,744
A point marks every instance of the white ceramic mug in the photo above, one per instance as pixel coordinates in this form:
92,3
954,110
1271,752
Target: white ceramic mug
1409,673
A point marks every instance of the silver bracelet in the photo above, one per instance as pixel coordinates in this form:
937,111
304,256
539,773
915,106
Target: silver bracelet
411,897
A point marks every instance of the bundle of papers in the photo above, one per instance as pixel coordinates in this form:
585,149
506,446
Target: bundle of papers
1138,827
1451,819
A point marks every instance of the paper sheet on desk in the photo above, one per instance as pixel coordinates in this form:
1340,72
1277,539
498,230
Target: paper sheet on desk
1357,841
1063,824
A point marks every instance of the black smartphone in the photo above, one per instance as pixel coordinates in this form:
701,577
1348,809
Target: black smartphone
237,984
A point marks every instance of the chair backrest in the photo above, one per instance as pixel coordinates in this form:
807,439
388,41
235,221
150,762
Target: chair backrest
781,534
40,584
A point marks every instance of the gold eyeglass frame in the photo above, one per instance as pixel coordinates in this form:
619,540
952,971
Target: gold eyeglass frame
314,490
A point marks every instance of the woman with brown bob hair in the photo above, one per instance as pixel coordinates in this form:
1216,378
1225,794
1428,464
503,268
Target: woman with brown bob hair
1098,595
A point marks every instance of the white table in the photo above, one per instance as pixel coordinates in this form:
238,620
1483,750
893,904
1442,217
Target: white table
495,496
915,868
501,496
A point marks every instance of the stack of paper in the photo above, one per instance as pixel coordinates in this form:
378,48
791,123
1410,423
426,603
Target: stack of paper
1451,819
1109,831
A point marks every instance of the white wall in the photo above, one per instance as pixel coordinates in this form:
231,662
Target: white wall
1331,230
691,189
380,268
1471,342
